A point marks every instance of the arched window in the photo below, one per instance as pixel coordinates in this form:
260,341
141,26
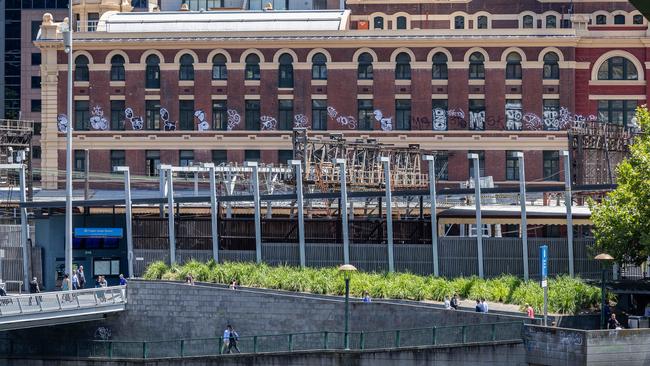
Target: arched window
551,66
252,67
551,21
401,22
403,66
619,19
364,70
513,66
482,22
378,22
219,69
285,71
439,67
186,70
117,68
637,19
528,21
477,66
152,72
459,22
601,19
81,68
319,67
617,68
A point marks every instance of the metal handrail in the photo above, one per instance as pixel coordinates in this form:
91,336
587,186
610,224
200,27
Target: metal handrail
13,305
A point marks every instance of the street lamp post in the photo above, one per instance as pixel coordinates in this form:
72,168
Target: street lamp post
129,217
67,44
604,259
347,270
479,225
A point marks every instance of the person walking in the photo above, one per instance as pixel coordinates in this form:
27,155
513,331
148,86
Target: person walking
123,282
101,282
530,312
82,277
189,279
233,340
226,340
454,302
366,297
65,287
34,289
75,280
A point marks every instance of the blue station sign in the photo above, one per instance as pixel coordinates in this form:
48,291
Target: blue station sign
98,232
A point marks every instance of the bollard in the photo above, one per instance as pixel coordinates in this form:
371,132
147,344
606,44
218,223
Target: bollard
290,342
434,341
325,339
464,330
254,344
397,340
362,341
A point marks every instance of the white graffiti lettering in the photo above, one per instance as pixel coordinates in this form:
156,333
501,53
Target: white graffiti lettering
348,121
332,112
385,123
97,120
456,113
136,122
164,116
62,122
300,121
439,119
202,125
477,120
532,121
233,119
268,123
514,116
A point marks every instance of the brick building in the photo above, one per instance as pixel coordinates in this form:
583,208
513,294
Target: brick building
491,76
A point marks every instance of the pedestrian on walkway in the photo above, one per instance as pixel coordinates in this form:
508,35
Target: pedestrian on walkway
189,279
75,280
484,304
65,287
101,282
233,284
82,277
226,339
478,308
34,289
612,323
530,312
123,282
454,302
233,340
447,303
366,297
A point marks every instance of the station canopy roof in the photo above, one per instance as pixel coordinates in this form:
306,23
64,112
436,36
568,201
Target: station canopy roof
224,21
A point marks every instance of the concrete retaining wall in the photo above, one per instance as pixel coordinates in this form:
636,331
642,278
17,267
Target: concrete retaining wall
569,347
500,353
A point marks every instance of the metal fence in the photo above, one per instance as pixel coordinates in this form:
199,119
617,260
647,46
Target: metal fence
309,341
457,256
11,263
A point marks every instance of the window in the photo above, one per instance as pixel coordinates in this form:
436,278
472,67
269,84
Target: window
482,22
601,19
117,114
459,22
481,164
186,70
551,116
439,67
117,68
36,82
219,70
512,166
81,115
81,68
477,66
93,19
442,165
528,21
285,71
186,157
37,128
619,19
364,70
118,158
617,68
637,19
403,66
551,66
513,66
401,22
219,157
403,114
152,162
219,115
319,114
366,116
79,160
35,105
319,67
439,115
551,166
284,156
186,115
319,4
285,114
551,21
106,267
252,155
378,22
152,72
36,152
36,59
252,115
514,115
152,115
252,67
36,26
477,114
619,112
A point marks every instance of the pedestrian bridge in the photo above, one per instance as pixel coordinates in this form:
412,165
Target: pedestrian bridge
62,307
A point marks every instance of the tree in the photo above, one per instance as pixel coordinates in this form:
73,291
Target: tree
622,219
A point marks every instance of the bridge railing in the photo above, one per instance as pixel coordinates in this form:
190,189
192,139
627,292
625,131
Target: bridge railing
11,306
306,341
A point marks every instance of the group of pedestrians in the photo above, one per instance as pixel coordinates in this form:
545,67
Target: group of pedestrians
230,340
481,306
453,303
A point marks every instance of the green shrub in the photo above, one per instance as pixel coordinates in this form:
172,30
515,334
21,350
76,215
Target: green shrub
155,270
